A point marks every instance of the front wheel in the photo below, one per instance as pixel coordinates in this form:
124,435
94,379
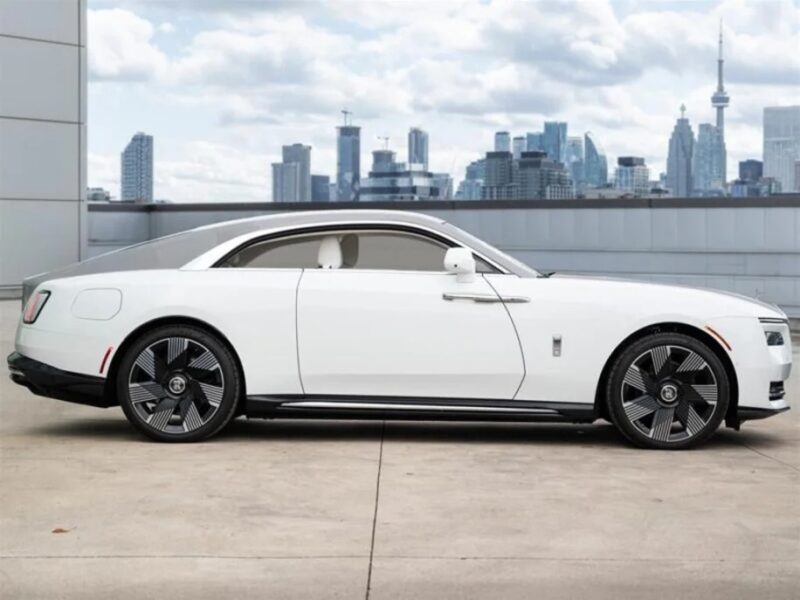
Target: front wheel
178,383
668,391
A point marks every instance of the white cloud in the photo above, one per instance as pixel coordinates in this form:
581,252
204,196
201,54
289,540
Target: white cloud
120,47
166,28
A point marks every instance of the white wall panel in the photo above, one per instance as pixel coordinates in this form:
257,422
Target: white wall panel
53,20
39,81
38,160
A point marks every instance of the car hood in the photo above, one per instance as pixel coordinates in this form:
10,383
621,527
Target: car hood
706,300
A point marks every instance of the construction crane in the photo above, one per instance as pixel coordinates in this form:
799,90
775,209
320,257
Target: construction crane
385,140
347,116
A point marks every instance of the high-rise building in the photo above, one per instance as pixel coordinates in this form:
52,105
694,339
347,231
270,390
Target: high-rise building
499,183
136,163
679,158
390,180
596,164
751,170
720,101
782,144
518,146
320,188
474,176
708,176
502,141
632,175
539,177
300,154
575,162
554,141
286,182
348,163
97,194
444,183
418,147
534,142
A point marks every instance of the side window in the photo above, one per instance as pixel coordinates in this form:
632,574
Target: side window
370,249
288,253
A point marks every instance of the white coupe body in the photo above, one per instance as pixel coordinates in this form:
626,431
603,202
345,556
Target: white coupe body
340,339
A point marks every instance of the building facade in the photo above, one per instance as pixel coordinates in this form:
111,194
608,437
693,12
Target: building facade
540,178
632,176
751,170
596,164
679,157
136,164
518,146
708,175
575,162
499,183
394,181
554,141
534,142
300,154
320,188
418,147
348,163
502,141
782,144
286,182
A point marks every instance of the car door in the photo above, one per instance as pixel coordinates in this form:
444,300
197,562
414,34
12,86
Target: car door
390,322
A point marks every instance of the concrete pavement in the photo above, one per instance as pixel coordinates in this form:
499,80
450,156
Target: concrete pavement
425,510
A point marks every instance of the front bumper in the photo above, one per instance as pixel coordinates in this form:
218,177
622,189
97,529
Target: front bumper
44,380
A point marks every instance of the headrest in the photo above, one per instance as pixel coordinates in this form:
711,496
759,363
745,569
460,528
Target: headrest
330,253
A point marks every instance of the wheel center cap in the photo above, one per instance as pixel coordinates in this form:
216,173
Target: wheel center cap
669,393
177,385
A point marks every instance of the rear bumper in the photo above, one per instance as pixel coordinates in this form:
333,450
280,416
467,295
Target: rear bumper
44,380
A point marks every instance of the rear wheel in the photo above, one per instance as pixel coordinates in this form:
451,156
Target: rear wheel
178,383
668,391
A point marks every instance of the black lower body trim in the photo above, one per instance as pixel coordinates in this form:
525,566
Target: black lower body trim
752,414
415,409
44,380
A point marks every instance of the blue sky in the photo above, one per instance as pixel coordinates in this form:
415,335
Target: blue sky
222,85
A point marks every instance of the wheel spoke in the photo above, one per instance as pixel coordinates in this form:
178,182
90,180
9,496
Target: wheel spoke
633,377
146,362
212,393
662,424
162,413
204,362
146,392
693,362
659,355
640,407
706,392
691,419
177,352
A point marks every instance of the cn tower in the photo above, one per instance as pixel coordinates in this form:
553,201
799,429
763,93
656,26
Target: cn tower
720,101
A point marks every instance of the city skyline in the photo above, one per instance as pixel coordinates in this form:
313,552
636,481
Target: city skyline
222,152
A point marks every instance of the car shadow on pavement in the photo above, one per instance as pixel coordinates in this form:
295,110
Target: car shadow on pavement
243,430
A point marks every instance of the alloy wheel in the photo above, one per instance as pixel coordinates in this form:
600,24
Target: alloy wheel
669,393
176,385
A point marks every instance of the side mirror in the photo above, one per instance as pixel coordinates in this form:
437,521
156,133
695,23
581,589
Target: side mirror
461,262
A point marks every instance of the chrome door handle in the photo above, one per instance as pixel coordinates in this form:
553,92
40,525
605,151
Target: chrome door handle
474,297
485,298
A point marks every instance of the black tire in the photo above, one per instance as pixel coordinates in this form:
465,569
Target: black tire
178,383
667,391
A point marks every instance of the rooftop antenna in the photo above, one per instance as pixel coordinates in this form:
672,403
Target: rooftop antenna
385,140
683,111
347,117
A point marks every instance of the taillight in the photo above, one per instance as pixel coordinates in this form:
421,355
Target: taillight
34,307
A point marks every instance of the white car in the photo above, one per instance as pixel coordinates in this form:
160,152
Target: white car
389,315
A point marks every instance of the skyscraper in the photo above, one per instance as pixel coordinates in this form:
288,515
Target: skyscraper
391,180
136,163
320,188
708,176
418,147
575,162
348,163
300,154
632,175
541,178
499,182
782,144
502,141
596,164
534,142
679,157
286,182
518,145
751,170
720,101
554,141
470,187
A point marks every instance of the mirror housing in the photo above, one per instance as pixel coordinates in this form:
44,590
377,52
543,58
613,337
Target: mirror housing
461,262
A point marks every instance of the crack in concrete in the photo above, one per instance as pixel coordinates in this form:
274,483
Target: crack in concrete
375,513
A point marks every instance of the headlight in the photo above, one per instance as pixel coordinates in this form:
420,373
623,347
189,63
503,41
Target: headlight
34,307
774,330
